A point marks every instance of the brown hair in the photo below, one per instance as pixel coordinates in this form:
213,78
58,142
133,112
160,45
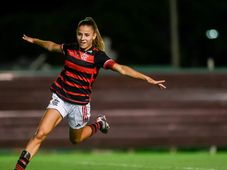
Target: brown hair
98,41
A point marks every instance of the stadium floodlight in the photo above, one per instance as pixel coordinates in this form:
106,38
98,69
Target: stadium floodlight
212,34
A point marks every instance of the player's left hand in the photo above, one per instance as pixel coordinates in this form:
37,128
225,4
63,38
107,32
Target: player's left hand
159,83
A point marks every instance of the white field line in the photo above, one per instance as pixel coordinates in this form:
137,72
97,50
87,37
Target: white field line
134,166
194,168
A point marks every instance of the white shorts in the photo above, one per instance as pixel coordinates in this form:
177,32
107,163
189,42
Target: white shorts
78,115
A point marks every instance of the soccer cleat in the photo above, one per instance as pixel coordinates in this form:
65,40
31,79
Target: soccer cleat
104,125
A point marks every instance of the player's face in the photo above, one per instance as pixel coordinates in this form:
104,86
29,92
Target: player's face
85,36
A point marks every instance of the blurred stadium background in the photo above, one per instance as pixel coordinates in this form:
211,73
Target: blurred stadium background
183,42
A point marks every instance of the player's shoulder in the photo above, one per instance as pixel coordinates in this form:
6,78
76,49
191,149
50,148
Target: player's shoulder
98,52
73,46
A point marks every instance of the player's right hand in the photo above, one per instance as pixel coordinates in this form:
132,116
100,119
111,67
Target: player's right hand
27,38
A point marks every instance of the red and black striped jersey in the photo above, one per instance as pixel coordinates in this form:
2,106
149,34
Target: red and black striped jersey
74,83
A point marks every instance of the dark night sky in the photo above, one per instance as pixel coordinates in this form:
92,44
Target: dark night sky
139,29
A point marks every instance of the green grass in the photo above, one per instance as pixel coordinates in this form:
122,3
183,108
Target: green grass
120,161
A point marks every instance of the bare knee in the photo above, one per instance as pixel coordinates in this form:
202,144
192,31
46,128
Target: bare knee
40,135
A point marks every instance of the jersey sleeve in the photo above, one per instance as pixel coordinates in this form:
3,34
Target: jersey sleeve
65,47
103,61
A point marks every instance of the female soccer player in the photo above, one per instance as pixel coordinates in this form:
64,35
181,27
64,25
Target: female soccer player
72,88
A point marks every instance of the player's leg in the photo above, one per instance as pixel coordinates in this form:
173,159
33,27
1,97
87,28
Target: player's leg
49,121
79,135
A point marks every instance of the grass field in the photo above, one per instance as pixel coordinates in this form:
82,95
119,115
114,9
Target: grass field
119,161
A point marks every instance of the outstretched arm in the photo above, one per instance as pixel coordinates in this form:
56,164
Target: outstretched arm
128,71
48,45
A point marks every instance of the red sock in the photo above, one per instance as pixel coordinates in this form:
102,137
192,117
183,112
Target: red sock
95,127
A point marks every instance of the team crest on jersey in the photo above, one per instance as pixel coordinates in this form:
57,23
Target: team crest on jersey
84,57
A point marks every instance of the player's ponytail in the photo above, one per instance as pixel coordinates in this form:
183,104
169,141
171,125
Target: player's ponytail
98,41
